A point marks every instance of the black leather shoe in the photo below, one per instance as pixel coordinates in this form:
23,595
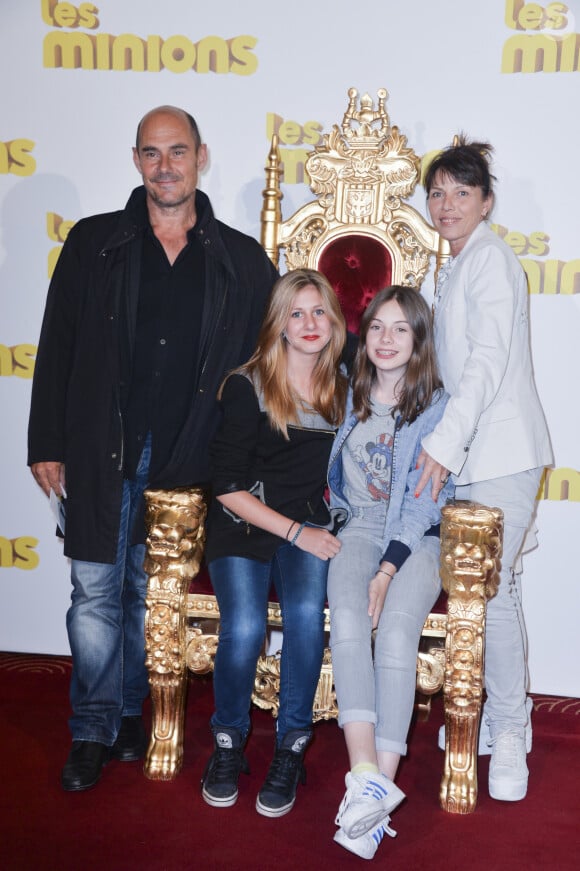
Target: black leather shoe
131,741
84,765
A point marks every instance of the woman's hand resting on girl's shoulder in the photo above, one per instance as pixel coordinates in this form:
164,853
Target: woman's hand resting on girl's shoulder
318,542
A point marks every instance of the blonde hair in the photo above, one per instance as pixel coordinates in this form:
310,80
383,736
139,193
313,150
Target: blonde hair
267,365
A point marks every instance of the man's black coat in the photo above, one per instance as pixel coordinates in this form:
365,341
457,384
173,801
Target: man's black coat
75,413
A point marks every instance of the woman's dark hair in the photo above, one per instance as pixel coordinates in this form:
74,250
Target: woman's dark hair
421,378
466,162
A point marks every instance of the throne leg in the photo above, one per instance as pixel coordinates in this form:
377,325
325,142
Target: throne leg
471,540
175,537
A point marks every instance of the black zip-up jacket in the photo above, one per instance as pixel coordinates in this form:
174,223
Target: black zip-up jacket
75,415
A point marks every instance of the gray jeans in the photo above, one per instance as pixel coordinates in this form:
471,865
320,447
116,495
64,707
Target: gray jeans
506,676
378,689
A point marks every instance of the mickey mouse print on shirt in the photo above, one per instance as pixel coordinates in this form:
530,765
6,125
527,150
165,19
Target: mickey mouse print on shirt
376,459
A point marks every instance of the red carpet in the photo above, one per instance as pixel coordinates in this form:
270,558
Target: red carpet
128,823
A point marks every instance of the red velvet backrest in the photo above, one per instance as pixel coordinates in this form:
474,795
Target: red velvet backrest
357,267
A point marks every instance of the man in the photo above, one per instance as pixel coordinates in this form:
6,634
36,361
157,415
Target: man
147,309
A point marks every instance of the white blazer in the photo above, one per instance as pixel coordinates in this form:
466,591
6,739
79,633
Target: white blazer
493,424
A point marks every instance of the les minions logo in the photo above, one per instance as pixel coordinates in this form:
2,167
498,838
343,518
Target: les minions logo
18,553
104,51
16,157
531,49
17,360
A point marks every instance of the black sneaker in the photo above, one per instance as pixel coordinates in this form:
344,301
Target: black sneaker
278,793
220,778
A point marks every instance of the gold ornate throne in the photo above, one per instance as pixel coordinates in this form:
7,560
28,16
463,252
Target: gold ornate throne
362,234
359,231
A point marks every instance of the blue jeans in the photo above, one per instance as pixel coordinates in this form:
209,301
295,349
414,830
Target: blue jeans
241,586
106,629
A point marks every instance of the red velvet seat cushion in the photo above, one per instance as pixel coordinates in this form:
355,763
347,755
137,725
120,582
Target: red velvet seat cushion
440,606
201,583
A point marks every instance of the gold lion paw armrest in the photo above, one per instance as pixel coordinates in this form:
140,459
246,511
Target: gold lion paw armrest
175,538
471,546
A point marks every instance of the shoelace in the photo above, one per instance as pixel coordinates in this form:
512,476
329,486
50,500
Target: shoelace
505,748
284,770
227,765
382,830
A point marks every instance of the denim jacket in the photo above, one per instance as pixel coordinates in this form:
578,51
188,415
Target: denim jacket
408,518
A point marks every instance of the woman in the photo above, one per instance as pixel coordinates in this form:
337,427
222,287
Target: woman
493,436
386,575
267,525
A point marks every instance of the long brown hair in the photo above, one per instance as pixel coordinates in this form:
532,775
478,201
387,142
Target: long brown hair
267,365
421,378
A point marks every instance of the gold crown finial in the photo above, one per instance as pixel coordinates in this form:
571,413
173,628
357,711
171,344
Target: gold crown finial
366,124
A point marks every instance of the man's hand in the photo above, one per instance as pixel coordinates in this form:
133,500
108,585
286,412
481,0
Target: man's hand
434,470
49,476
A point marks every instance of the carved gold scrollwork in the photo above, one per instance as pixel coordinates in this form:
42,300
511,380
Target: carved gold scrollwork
359,163
299,247
325,706
363,123
471,541
267,684
267,688
361,173
322,178
359,203
200,651
175,536
430,671
415,256
362,169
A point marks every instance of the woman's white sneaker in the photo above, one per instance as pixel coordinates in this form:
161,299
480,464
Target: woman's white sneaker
508,772
485,742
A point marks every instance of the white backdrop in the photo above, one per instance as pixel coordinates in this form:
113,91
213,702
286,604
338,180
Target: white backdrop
77,78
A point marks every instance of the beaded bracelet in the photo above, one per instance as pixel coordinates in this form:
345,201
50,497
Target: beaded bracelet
300,528
294,522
